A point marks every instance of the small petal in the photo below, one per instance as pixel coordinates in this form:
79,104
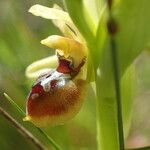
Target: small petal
67,47
41,66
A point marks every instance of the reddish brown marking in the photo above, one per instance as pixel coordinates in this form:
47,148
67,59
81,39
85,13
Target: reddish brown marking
58,102
37,89
65,67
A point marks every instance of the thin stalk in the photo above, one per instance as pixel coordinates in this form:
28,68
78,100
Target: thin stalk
112,30
14,104
118,93
47,137
22,130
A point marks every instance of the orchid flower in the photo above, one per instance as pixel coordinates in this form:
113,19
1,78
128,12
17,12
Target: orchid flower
101,39
57,94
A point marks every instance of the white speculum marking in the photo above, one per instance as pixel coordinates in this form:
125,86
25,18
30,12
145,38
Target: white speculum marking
46,83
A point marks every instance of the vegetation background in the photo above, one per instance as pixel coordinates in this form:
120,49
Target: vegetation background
20,35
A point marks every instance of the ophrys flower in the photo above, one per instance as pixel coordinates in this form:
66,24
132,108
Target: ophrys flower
59,89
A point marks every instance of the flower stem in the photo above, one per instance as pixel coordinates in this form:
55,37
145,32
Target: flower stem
109,110
49,139
112,30
22,130
118,93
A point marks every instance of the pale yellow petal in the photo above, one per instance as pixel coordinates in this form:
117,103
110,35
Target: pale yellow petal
39,67
60,18
67,32
50,13
63,27
67,47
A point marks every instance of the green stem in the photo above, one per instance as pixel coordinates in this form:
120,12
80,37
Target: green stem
107,135
118,93
107,120
110,125
107,127
112,30
49,139
109,111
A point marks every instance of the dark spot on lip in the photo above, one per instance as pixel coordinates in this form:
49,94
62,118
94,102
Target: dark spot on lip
53,84
50,73
48,76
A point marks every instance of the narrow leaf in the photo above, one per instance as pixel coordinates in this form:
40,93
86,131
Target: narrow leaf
49,139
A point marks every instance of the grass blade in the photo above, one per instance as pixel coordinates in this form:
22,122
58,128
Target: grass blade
14,104
22,130
47,137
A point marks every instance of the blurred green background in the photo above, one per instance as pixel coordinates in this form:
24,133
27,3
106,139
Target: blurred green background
20,35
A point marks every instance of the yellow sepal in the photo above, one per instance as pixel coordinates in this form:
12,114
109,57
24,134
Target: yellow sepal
69,48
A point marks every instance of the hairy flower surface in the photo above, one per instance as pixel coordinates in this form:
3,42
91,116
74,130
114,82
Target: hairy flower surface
58,92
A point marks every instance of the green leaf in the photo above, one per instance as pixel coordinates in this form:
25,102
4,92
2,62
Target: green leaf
15,105
133,18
